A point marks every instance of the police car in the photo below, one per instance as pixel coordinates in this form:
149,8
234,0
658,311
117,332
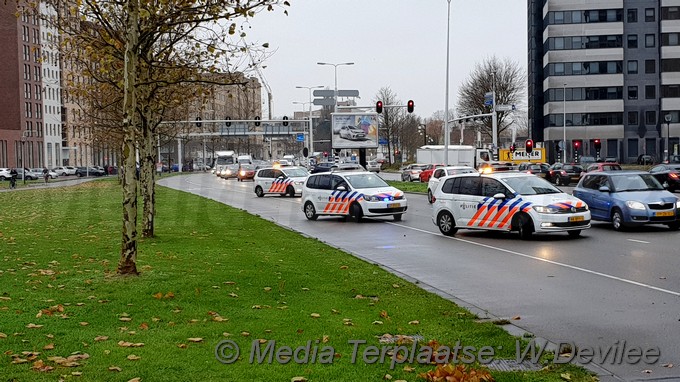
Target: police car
506,201
282,181
352,193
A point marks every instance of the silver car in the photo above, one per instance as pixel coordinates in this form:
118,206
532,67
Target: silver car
373,166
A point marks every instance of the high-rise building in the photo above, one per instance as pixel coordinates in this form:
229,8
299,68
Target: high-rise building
607,70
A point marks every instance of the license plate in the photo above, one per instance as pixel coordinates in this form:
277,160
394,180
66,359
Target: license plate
664,213
393,205
576,219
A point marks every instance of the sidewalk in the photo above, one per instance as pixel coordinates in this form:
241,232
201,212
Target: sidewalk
59,182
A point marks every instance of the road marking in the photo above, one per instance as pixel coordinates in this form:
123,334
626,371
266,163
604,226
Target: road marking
638,241
612,277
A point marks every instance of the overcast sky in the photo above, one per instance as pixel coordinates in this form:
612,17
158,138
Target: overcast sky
400,44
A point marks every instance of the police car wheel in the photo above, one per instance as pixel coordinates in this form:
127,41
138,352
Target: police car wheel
290,191
429,196
397,217
356,212
259,192
310,211
575,233
524,226
446,224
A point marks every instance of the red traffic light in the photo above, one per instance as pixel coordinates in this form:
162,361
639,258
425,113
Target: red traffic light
409,106
512,148
577,144
378,107
325,154
529,146
598,144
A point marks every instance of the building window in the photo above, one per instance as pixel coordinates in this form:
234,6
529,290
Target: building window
632,67
670,91
632,41
650,41
670,65
649,15
632,118
670,39
632,92
632,147
632,15
650,117
650,66
670,13
650,91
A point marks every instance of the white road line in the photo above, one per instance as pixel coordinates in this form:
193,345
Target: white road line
638,241
612,277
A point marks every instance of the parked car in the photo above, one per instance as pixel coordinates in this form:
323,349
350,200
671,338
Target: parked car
563,174
441,172
674,159
506,201
425,175
585,161
601,167
668,175
628,198
30,175
246,171
645,159
4,173
323,167
411,173
611,160
373,166
88,171
65,170
52,174
352,194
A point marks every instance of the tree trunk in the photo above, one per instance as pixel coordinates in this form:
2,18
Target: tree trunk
127,264
148,181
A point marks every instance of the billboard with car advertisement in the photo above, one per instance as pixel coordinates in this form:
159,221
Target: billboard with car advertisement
354,130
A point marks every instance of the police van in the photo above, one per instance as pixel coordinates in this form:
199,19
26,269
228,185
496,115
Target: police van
351,193
506,201
282,181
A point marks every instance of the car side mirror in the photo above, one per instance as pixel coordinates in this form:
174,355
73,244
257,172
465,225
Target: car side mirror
341,188
499,195
603,189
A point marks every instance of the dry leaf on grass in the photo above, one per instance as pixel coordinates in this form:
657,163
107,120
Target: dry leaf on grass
40,366
126,344
133,357
195,339
49,346
315,315
101,338
115,368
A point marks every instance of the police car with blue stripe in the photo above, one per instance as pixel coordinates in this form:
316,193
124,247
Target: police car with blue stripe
506,201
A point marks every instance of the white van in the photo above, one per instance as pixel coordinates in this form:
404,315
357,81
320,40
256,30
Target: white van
244,159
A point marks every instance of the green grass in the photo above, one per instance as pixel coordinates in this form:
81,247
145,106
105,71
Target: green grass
409,186
59,249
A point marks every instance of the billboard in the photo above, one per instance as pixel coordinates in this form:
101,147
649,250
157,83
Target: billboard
354,130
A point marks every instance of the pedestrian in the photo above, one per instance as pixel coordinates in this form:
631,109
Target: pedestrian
13,178
46,174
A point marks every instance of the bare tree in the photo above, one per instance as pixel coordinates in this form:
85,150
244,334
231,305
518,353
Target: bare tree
392,121
510,85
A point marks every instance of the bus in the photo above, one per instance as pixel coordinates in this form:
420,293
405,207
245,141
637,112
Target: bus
223,158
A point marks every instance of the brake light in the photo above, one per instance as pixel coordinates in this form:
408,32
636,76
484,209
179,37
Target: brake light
563,172
673,175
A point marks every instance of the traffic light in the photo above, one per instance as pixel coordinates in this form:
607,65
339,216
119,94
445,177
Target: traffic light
512,148
577,145
228,122
409,106
598,144
557,147
198,122
378,107
325,154
257,120
529,146
285,120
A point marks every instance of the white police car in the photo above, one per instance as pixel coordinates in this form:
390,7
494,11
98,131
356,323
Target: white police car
282,181
506,201
353,193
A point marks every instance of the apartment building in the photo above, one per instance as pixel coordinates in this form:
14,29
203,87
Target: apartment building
605,70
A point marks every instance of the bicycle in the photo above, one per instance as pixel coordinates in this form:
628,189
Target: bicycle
12,183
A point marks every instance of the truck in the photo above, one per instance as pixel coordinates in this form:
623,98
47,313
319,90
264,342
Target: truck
520,155
459,155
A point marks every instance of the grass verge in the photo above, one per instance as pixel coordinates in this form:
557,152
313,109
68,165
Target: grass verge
213,273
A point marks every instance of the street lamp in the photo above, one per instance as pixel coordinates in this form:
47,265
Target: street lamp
311,133
564,123
446,102
666,152
422,128
335,92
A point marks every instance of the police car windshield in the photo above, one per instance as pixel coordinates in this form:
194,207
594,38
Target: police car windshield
295,172
366,181
531,185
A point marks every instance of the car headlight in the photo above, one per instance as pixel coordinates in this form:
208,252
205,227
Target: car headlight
677,204
633,205
299,182
546,209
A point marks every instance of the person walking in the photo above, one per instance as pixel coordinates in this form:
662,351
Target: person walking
13,178
46,174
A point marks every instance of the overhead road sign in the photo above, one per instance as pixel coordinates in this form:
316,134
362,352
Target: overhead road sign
348,93
323,93
300,137
505,107
324,101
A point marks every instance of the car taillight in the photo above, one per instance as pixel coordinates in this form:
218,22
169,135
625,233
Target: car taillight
673,175
433,199
563,172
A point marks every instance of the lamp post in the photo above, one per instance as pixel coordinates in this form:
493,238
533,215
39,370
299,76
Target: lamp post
667,152
446,102
564,123
335,92
311,133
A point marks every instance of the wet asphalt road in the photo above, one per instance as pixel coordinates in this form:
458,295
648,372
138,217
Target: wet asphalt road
595,291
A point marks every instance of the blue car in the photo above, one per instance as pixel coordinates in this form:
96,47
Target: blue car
628,199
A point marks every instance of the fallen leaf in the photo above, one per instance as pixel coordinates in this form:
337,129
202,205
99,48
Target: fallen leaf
125,319
315,315
516,318
137,379
245,334
195,339
40,366
232,294
267,289
182,346
158,296
647,371
133,357
414,322
48,347
344,267
101,338
144,326
387,377
395,285
76,373
668,365
384,314
18,361
33,326
298,379
84,323
3,335
169,295
566,376
126,344
115,368
408,368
